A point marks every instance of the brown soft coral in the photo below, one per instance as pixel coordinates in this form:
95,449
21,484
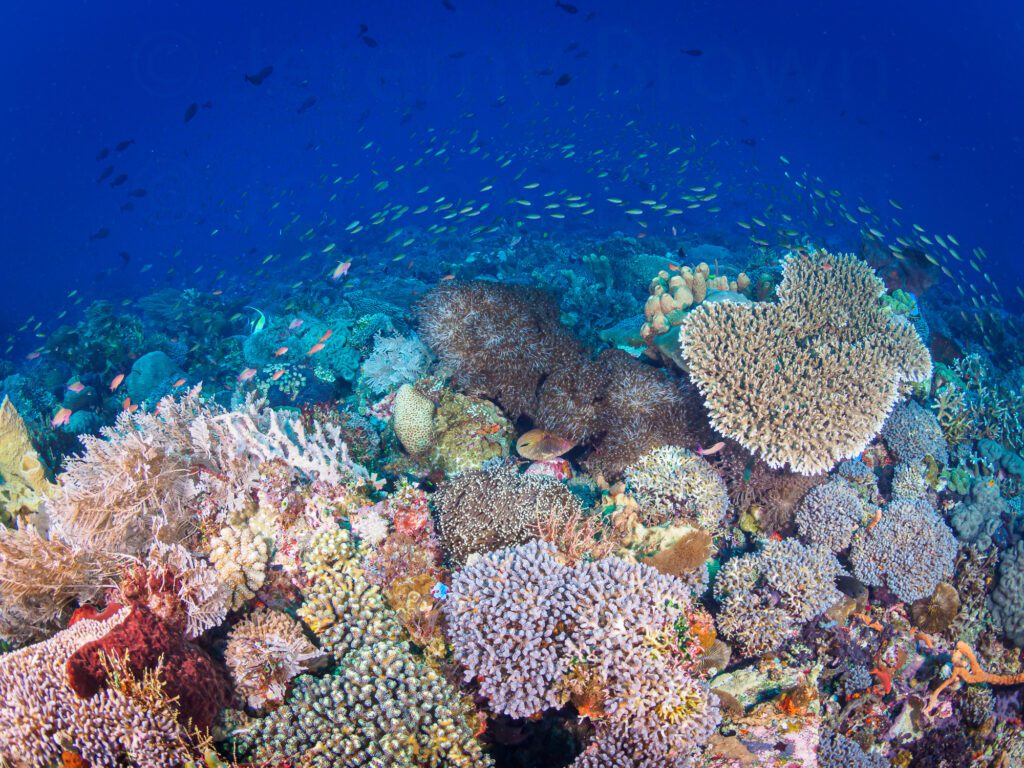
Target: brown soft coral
507,344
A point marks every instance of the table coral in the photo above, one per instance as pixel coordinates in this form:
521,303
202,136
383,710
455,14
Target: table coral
807,381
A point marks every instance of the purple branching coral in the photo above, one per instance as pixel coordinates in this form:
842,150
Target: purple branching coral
830,514
768,595
612,637
910,550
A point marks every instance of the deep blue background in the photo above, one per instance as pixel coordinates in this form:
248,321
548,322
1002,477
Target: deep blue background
920,102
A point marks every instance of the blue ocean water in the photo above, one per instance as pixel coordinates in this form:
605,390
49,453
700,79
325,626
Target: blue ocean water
913,102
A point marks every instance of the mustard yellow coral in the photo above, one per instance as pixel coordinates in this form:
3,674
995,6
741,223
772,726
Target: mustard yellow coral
809,380
24,484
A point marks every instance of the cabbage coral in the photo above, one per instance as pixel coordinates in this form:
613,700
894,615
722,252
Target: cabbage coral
809,380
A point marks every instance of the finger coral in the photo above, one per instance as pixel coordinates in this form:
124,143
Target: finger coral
617,639
809,380
265,651
829,514
767,596
341,606
383,707
913,432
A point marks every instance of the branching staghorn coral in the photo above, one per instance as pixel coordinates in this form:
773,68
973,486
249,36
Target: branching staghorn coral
617,639
809,380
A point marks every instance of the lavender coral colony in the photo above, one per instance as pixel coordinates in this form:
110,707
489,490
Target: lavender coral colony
457,526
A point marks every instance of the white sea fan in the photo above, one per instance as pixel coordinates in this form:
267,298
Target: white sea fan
394,361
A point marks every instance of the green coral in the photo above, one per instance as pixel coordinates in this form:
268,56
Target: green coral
469,432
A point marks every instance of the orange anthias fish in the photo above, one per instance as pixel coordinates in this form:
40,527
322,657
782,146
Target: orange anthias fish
296,323
247,374
116,382
76,387
62,417
280,351
277,374
129,406
447,277
710,451
541,445
315,348
327,334
341,270
178,383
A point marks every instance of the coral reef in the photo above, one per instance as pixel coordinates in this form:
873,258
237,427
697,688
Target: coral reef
912,432
810,378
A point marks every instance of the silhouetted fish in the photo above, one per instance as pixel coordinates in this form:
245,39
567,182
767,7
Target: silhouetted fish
363,29
456,54
121,146
129,206
260,76
563,79
570,47
370,42
192,111
140,192
107,173
309,102
100,233
750,141
102,154
207,104
448,4
547,71
567,7
692,52
125,258
120,179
